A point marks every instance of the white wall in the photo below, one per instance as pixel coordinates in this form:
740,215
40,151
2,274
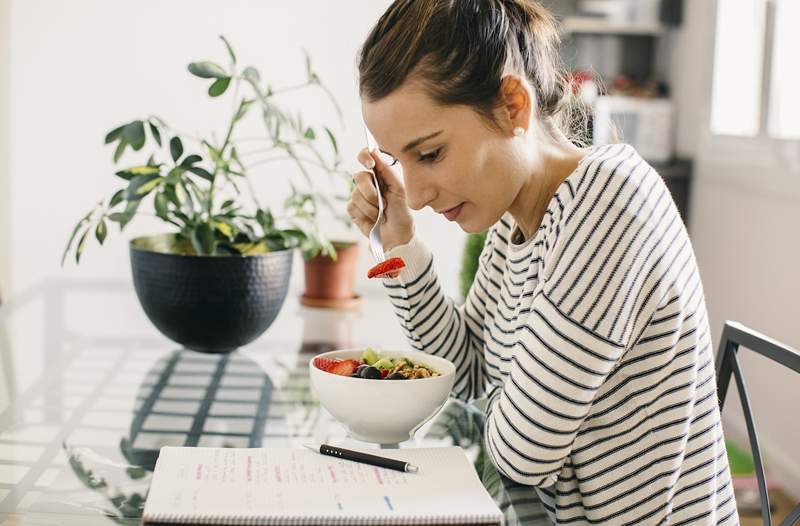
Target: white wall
80,68
5,179
745,214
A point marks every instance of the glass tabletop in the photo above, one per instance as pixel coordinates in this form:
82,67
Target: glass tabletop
89,392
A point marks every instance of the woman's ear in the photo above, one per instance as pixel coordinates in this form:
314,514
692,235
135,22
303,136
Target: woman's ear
516,103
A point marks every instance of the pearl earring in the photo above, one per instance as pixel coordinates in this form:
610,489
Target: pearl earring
519,132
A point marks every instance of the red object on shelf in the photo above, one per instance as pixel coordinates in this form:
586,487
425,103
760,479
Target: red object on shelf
387,269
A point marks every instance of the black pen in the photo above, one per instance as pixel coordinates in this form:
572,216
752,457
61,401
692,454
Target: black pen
365,458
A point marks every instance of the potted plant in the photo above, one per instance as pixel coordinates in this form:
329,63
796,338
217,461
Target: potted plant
218,279
329,265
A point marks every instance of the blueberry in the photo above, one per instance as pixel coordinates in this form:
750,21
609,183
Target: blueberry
361,368
371,373
396,376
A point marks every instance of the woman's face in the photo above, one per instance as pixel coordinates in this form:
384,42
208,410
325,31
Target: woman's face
460,168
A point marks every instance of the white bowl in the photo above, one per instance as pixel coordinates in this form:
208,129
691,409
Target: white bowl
383,411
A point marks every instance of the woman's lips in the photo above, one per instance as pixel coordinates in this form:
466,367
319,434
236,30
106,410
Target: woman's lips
452,214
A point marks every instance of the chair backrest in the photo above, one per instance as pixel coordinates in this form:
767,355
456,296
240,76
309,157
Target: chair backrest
735,335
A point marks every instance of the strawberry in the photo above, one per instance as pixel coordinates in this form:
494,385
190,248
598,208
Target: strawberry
387,269
325,364
384,373
344,367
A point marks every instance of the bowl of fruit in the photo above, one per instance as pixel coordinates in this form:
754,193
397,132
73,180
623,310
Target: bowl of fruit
381,397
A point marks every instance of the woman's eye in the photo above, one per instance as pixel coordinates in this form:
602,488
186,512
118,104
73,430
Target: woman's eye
430,157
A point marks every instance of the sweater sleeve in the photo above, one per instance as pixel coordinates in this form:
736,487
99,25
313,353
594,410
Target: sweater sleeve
590,305
433,323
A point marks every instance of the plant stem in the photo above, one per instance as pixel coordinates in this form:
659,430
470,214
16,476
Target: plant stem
286,158
291,88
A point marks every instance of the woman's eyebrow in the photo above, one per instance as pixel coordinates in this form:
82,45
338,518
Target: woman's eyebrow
416,142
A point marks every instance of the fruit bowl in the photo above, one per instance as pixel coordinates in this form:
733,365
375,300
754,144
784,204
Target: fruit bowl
382,411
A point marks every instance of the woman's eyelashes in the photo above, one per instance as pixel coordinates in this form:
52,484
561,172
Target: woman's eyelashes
430,157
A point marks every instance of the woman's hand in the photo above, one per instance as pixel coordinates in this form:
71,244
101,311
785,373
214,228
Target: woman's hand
397,227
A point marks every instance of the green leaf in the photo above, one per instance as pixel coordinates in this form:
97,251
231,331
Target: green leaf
161,205
207,70
230,49
295,233
101,231
203,239
309,71
265,219
141,185
130,173
175,148
134,134
219,86
169,193
309,134
227,204
225,228
190,160
174,175
81,246
120,150
116,198
82,222
155,133
251,75
130,212
202,172
118,217
114,134
242,111
333,140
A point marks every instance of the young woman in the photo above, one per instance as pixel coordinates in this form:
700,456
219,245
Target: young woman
586,325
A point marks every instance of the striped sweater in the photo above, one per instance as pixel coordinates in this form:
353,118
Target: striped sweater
592,342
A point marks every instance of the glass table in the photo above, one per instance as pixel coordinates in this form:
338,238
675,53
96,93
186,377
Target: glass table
89,392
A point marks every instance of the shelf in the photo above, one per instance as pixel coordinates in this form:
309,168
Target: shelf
600,26
676,169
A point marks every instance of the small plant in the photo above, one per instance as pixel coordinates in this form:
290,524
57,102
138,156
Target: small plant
198,185
470,260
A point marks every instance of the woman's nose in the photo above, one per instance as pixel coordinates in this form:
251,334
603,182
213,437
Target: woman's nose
418,193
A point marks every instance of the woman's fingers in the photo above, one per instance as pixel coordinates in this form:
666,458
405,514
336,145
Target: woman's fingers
367,209
366,160
387,175
365,185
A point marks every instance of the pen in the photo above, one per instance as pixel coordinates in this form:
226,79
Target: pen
365,458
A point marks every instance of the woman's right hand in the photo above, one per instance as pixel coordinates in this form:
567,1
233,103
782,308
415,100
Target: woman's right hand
397,227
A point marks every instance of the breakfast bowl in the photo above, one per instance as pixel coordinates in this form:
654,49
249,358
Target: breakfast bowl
382,410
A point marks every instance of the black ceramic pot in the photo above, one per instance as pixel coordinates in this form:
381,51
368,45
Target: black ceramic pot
210,304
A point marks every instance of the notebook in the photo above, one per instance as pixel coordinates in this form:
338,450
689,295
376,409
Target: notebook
193,485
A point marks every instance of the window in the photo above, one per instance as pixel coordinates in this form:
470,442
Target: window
755,82
784,97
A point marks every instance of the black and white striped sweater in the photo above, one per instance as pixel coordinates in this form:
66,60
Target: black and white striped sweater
593,342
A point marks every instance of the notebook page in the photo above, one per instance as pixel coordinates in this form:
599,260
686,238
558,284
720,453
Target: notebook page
272,482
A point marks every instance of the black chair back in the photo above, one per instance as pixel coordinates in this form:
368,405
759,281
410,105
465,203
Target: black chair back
734,336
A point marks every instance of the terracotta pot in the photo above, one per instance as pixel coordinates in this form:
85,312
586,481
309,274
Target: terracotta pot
327,279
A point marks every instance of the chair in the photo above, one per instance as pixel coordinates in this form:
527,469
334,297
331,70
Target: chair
735,335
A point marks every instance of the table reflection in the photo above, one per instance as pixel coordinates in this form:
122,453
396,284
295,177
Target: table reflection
78,444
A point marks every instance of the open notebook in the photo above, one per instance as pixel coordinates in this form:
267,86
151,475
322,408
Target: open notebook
296,486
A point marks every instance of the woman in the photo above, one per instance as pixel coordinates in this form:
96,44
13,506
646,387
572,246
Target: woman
586,324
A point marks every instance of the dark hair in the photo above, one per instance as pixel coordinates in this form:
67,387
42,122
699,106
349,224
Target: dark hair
459,50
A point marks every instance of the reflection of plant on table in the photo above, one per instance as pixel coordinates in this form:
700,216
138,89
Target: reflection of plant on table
202,187
96,473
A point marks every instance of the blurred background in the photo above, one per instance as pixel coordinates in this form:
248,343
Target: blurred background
706,90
